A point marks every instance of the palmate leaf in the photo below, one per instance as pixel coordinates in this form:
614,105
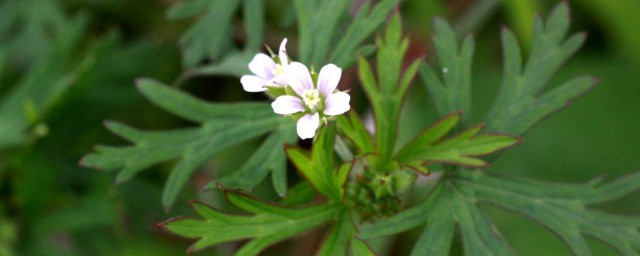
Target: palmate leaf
521,103
461,149
444,207
268,225
222,126
562,208
211,37
318,24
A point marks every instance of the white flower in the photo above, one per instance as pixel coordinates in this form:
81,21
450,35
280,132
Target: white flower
267,71
315,102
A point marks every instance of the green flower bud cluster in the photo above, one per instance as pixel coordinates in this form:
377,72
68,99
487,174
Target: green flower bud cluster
374,196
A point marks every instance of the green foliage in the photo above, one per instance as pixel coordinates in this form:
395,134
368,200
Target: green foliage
318,168
267,158
452,92
222,126
23,107
461,149
562,208
520,104
378,172
269,224
211,38
212,34
342,240
387,92
29,29
559,207
353,128
318,24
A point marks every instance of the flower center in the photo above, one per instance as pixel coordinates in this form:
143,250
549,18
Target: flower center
311,98
279,69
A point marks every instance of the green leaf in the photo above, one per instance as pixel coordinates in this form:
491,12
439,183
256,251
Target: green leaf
387,92
337,243
461,149
269,157
267,225
31,29
355,131
318,166
450,84
437,236
222,126
27,102
562,208
479,236
342,240
405,220
318,25
211,35
253,15
521,102
364,24
444,207
235,64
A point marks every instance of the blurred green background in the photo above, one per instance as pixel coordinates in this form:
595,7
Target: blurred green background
68,65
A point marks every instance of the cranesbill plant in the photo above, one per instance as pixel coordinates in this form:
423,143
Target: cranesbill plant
355,181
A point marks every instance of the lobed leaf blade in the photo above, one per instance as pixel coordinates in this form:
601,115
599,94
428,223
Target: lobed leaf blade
461,149
265,228
520,103
223,125
450,89
562,209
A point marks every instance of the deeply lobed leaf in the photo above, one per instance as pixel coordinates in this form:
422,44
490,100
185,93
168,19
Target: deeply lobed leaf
444,207
450,84
461,149
387,91
318,25
222,126
521,103
211,34
563,208
268,224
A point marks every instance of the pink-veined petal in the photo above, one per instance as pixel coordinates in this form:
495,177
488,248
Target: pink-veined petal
337,104
299,78
282,53
328,79
307,125
286,104
252,83
263,66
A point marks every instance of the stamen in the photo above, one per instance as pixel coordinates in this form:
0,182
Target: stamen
311,98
